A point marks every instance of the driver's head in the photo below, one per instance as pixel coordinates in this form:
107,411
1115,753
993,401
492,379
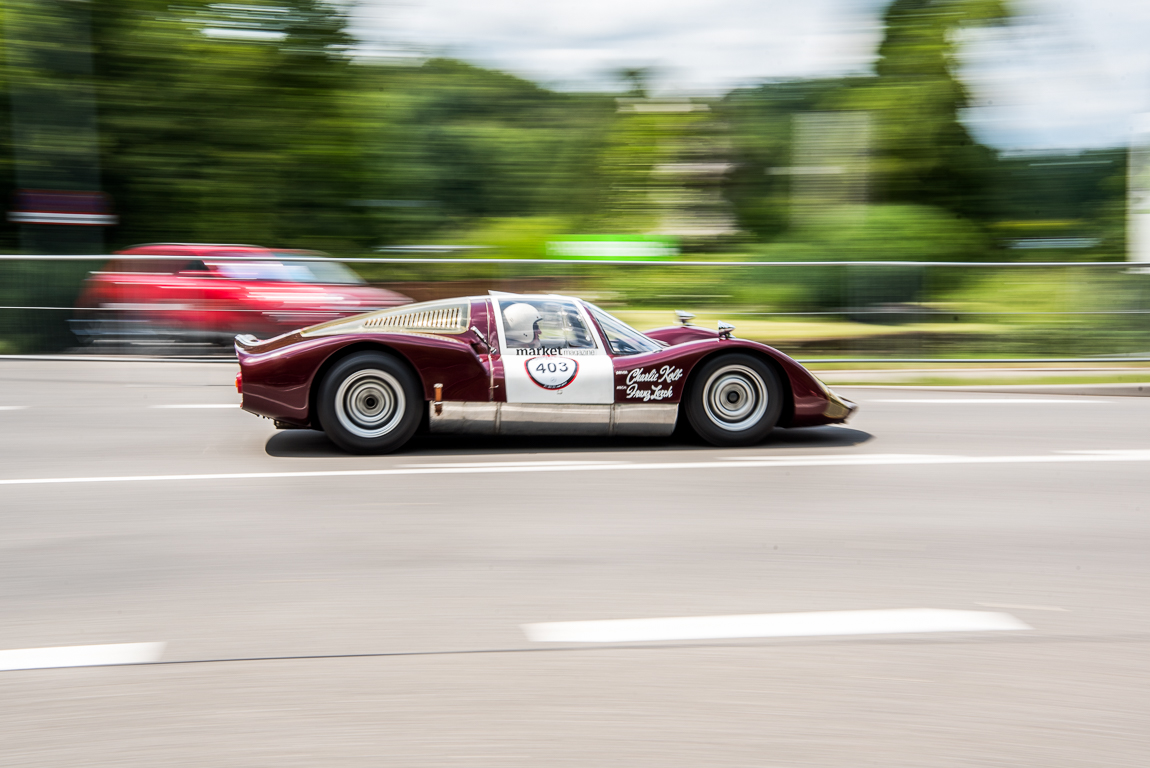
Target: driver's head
521,321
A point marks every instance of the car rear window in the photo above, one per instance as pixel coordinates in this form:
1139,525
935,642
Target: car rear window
264,271
288,272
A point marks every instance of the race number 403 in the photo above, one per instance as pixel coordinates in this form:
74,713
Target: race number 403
552,372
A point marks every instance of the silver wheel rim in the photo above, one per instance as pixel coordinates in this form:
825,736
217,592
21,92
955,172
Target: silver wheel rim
735,398
370,403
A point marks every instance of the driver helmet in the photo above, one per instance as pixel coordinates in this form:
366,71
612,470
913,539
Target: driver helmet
521,323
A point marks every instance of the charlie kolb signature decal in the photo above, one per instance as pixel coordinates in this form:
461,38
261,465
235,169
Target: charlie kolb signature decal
552,372
649,384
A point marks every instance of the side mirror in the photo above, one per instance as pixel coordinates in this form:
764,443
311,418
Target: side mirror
684,317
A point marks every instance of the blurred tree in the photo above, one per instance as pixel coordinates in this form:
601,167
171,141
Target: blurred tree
761,124
224,122
636,79
48,57
8,231
645,162
1063,195
635,145
922,153
252,123
919,151
449,145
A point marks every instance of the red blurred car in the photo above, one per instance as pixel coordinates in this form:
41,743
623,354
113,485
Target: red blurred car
212,292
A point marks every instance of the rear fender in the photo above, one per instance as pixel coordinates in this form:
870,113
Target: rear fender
280,375
340,354
295,376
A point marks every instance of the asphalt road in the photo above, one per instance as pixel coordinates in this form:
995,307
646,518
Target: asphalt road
312,618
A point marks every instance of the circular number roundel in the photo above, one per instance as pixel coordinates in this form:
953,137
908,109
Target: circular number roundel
552,372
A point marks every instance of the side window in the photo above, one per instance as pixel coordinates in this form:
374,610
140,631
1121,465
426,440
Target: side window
157,266
137,266
544,324
163,266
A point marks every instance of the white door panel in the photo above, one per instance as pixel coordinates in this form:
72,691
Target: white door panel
559,378
563,362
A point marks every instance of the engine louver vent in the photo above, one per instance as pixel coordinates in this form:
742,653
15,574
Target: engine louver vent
443,318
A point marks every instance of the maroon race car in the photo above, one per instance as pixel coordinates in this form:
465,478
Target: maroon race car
523,364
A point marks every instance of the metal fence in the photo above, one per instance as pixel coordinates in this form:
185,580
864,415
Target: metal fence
842,311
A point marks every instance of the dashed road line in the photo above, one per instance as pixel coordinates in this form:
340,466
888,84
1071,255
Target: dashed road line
989,401
1018,607
470,464
198,405
81,656
839,459
812,624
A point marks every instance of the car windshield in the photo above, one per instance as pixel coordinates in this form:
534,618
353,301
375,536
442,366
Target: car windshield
624,339
331,272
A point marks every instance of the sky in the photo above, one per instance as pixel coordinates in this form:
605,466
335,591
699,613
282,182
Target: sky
1063,75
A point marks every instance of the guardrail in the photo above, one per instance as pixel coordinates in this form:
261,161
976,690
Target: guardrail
818,311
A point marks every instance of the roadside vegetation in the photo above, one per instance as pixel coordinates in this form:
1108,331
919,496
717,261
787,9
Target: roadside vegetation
276,134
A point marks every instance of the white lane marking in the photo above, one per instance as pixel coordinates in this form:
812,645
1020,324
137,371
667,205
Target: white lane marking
844,461
988,400
12,407
516,464
81,656
199,405
840,458
815,624
1016,607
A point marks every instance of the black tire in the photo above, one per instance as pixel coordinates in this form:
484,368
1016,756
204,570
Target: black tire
370,402
734,399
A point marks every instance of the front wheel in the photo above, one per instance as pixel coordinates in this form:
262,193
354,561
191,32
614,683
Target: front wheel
734,399
369,402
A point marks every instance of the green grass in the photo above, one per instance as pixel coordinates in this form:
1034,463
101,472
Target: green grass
777,331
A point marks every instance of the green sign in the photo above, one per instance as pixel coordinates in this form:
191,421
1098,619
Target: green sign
613,247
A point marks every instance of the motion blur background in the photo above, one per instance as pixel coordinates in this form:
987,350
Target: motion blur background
970,131
843,179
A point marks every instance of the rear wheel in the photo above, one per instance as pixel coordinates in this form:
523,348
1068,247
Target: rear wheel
369,402
734,399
